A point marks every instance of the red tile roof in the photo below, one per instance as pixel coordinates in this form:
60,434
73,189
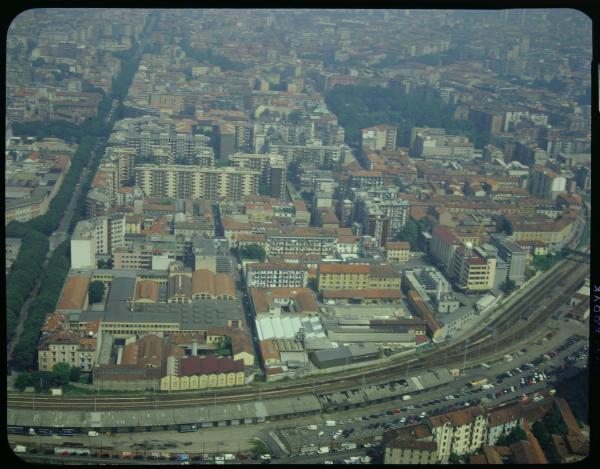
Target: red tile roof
209,365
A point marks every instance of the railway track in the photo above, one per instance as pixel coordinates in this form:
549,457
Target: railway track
507,328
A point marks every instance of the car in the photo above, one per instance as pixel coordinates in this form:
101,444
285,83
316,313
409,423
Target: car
512,389
450,397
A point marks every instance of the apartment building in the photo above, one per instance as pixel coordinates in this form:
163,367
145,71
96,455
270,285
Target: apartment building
272,169
268,275
502,421
397,251
409,445
473,269
545,183
445,241
343,276
433,143
460,432
358,277
379,137
297,240
98,235
313,154
62,342
381,212
554,233
514,256
181,181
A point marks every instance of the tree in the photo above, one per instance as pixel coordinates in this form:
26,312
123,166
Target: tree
62,372
74,374
517,434
224,348
23,380
454,459
96,291
508,286
409,233
253,251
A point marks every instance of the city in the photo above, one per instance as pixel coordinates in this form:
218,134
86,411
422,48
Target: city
298,236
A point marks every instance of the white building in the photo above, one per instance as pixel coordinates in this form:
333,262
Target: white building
98,235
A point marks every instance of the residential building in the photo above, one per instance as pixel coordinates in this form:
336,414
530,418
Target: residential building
100,235
473,269
458,432
409,445
502,421
183,181
397,251
379,137
270,275
545,183
514,256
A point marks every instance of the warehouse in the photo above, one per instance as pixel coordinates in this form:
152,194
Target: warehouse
347,355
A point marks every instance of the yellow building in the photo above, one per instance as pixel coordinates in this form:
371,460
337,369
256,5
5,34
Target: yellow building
343,276
202,373
357,277
399,251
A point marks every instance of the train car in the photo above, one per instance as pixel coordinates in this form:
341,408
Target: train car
13,430
187,428
66,431
45,432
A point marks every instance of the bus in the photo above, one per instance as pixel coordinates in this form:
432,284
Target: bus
187,428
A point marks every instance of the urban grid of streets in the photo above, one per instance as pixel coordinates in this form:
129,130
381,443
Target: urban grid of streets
385,190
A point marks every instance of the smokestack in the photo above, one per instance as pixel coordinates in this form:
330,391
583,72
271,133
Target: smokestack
194,347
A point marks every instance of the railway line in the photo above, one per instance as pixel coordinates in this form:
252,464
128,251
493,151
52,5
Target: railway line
540,303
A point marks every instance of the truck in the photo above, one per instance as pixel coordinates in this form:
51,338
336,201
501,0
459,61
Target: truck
93,433
406,397
508,358
312,427
229,457
330,423
20,449
323,450
486,386
349,445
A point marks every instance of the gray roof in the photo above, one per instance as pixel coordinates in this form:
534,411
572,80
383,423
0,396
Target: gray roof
187,415
201,314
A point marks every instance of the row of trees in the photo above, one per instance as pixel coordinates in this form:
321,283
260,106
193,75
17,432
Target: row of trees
208,56
42,381
49,222
24,271
44,303
360,106
27,267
